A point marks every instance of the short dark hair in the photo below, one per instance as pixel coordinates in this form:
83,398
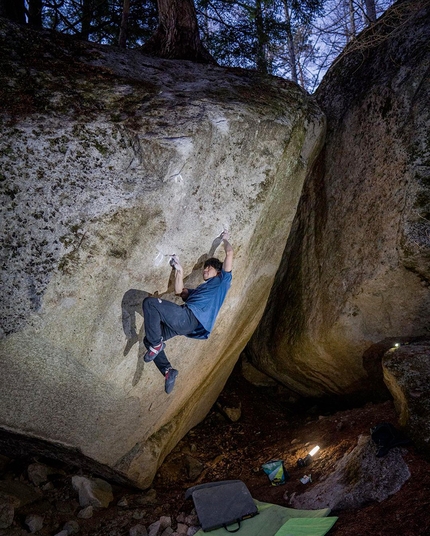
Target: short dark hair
214,262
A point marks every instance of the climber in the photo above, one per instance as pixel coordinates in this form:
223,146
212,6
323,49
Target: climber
164,319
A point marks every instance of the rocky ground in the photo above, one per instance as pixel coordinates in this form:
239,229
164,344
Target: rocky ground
271,425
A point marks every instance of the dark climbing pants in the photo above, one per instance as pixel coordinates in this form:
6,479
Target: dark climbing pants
164,320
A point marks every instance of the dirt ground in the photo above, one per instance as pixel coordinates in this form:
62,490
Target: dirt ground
271,426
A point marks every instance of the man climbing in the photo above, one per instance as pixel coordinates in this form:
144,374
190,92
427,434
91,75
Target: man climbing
164,319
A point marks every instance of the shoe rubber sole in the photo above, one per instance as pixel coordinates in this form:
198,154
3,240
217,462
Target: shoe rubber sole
170,380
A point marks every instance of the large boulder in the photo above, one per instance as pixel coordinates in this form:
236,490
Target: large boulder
407,376
356,269
110,162
359,478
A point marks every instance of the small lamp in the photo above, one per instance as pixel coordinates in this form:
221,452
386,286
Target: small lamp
302,462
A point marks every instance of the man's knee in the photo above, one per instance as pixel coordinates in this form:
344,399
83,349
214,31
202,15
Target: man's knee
147,303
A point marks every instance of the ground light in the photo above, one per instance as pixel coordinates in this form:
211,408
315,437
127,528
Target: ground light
302,462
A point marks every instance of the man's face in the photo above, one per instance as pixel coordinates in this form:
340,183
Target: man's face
208,272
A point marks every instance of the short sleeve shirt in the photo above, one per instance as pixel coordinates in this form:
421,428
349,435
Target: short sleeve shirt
206,300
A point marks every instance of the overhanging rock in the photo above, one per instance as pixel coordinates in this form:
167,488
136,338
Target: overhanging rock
112,161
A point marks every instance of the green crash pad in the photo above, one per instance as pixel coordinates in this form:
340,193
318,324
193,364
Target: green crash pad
272,520
307,526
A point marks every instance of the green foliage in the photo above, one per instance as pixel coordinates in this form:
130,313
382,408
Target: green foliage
99,20
296,39
268,35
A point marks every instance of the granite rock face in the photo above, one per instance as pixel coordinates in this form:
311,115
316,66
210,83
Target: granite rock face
407,376
356,269
358,479
110,162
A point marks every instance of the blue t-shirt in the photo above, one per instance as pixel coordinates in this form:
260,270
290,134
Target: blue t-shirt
205,302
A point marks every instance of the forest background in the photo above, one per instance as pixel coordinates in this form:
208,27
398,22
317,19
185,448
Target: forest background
294,39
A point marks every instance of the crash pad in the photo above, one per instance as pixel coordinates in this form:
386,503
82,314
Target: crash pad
307,526
272,518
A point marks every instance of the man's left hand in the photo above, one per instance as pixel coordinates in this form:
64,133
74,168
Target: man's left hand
174,263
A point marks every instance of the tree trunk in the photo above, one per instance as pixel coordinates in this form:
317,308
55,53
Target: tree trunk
35,13
370,10
177,35
122,41
352,18
290,43
13,10
261,60
87,18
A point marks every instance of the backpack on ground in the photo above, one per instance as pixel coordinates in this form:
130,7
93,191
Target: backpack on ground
385,436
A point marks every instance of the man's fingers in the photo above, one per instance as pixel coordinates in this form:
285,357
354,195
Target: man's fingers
174,262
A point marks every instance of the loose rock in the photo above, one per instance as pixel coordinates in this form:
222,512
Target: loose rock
181,528
7,511
72,527
192,519
194,467
95,492
20,493
138,514
34,522
138,530
150,497
86,513
165,522
122,503
38,473
154,528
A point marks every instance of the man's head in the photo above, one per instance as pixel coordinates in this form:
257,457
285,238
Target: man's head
211,268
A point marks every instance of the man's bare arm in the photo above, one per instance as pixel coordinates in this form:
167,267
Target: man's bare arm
228,261
179,275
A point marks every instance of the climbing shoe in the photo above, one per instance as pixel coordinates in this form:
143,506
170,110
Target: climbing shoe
153,351
170,376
